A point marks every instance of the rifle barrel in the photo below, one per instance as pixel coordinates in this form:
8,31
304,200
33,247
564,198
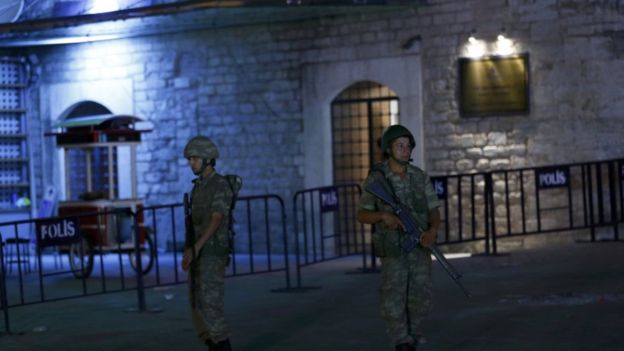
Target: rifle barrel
412,228
190,241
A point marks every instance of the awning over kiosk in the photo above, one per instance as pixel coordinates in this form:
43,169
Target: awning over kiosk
89,122
97,121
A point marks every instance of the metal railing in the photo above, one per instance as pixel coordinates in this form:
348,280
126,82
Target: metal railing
476,207
109,248
3,292
492,205
483,207
326,227
90,249
260,238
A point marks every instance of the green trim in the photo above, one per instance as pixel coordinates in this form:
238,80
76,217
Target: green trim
90,121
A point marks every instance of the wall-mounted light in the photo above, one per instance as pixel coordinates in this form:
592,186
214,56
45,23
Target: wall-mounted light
475,47
504,46
101,6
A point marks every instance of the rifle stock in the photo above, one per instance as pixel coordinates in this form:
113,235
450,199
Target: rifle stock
190,242
413,231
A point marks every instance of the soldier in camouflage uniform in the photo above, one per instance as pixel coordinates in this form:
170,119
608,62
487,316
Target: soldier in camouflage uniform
405,290
211,198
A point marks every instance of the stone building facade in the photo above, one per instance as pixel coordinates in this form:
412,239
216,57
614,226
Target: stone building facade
262,91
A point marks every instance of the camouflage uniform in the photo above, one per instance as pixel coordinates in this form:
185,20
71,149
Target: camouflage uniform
405,290
210,194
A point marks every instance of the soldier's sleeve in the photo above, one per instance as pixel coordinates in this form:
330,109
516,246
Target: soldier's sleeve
432,197
367,200
222,199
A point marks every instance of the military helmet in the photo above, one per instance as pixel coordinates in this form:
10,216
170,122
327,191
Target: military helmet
202,147
393,132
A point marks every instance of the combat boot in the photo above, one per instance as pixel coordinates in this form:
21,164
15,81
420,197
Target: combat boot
223,345
211,345
405,347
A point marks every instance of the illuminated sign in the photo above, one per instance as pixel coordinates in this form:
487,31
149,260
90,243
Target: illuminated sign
494,85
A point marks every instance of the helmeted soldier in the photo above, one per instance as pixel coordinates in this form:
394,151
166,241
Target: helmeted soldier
405,289
208,255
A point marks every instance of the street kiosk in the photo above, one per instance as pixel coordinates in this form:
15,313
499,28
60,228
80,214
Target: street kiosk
99,168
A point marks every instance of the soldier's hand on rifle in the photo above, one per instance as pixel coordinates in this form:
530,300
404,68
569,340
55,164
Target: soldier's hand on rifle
187,258
392,221
428,238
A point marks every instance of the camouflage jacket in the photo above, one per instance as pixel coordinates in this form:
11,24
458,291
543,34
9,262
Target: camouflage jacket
414,191
212,194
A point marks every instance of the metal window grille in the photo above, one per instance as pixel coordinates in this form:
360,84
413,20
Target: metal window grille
14,161
360,113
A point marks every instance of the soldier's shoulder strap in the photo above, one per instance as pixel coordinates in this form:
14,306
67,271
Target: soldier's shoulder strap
236,183
377,171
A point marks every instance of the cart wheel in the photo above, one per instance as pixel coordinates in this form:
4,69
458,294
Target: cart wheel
81,258
147,256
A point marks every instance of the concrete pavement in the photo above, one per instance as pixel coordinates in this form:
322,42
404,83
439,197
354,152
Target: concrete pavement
565,296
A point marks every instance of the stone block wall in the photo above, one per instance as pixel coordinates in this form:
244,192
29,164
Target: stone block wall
241,86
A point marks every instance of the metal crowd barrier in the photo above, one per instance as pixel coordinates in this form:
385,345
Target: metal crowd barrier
483,206
326,227
476,207
3,296
492,205
260,243
95,246
102,252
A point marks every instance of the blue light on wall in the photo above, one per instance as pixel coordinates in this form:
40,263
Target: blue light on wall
101,6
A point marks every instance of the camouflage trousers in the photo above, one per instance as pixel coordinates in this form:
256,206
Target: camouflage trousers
406,294
207,313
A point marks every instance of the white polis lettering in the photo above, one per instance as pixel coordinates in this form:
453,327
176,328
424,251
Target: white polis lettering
329,199
557,177
438,186
64,229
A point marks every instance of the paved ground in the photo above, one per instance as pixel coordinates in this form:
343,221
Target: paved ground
564,297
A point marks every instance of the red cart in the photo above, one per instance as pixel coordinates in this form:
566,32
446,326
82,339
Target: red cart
99,158
107,227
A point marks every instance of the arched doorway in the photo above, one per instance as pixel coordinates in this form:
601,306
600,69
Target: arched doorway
359,114
323,82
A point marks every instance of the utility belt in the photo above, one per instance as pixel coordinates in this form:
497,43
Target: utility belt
388,243
220,244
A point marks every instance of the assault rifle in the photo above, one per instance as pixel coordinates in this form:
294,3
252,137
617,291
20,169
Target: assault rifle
412,230
190,242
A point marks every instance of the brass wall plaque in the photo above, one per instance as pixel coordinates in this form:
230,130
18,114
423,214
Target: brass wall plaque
494,86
